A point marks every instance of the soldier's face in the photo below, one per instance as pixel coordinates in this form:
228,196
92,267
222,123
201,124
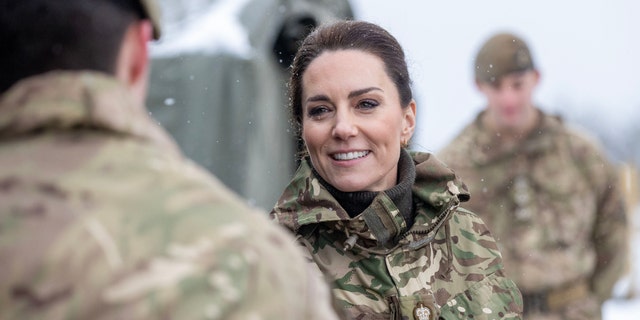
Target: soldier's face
509,100
352,120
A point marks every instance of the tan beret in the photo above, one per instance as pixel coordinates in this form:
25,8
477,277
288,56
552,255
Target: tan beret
502,54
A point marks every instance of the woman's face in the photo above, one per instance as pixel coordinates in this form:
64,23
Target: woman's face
352,120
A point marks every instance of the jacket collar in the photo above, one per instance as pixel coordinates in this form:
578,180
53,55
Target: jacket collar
305,202
64,100
490,149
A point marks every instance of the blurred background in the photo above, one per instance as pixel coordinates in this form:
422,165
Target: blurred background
587,52
219,73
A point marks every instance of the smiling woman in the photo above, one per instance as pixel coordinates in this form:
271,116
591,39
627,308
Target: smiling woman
382,223
353,123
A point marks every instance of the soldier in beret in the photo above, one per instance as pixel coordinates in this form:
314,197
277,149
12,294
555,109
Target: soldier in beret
546,190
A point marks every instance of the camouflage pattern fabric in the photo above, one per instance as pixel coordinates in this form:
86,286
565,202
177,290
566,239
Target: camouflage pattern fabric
552,204
446,265
102,218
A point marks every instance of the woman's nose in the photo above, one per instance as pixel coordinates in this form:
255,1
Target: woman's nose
344,126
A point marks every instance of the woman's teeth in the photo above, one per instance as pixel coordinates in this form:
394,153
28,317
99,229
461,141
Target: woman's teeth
350,155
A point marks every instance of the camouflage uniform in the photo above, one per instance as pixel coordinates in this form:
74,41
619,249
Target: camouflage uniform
447,263
552,205
102,218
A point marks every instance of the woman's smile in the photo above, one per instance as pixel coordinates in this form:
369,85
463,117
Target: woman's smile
346,156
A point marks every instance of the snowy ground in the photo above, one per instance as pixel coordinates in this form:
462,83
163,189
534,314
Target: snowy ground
622,309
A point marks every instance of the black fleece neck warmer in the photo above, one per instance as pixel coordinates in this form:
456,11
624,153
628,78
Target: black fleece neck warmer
355,202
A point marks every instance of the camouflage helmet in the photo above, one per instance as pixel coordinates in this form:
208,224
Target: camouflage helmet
152,12
502,54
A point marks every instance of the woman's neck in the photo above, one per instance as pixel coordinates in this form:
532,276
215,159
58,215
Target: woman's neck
356,202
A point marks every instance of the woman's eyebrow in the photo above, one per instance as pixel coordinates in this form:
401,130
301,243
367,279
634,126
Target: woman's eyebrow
363,91
355,93
319,97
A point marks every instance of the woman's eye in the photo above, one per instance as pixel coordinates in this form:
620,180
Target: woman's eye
317,111
367,104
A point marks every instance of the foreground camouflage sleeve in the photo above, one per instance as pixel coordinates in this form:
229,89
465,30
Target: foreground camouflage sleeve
610,234
239,272
230,277
154,240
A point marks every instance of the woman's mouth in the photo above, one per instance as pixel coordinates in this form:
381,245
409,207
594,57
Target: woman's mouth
349,155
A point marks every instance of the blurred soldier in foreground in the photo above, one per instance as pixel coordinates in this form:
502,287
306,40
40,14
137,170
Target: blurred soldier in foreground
549,193
101,217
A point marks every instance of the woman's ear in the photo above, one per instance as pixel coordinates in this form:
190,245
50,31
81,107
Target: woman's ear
409,121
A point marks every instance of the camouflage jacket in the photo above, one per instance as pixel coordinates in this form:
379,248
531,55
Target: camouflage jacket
102,218
447,263
551,202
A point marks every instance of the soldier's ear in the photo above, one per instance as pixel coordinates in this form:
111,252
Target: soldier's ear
537,76
132,66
